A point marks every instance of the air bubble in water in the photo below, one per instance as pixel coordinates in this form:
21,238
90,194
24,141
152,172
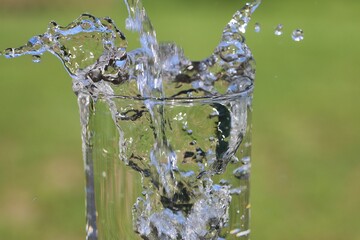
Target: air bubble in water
235,191
235,231
242,172
36,58
85,25
297,35
224,182
279,30
257,27
215,113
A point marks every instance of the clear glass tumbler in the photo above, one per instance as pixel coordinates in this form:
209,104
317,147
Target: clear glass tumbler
167,168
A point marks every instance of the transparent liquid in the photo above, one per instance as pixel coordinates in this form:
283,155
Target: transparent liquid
166,141
199,190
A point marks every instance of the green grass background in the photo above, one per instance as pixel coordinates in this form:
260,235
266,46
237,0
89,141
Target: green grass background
306,134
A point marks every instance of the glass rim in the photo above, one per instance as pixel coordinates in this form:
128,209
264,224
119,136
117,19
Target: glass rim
245,93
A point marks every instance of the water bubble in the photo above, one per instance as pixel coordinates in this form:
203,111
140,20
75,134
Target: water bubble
243,233
279,30
234,160
257,27
235,191
246,160
86,25
235,231
224,182
36,58
242,172
215,113
297,35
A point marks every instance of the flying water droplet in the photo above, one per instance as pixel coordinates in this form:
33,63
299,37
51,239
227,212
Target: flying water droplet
279,30
257,27
9,53
36,58
297,35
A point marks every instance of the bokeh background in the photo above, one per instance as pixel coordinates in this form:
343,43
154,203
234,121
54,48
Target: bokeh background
306,134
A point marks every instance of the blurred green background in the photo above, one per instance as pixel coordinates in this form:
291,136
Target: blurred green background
306,134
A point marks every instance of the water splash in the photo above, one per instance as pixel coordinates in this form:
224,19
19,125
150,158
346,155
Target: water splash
94,53
103,66
149,80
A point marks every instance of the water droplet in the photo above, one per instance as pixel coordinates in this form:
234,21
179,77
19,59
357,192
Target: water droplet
36,58
257,27
193,142
9,53
279,30
297,35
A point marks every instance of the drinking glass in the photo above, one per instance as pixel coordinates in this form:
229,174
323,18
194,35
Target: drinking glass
172,168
